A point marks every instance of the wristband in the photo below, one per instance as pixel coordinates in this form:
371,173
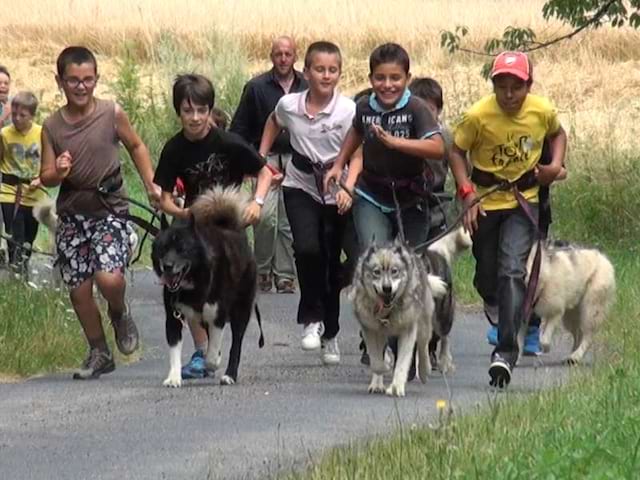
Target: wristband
465,190
259,201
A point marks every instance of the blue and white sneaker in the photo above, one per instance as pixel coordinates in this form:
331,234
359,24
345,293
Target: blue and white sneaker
196,367
532,342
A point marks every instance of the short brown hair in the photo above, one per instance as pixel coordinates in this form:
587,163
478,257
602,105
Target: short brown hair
194,88
25,100
77,56
322,47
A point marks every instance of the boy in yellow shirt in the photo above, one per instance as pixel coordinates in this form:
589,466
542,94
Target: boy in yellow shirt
503,134
21,189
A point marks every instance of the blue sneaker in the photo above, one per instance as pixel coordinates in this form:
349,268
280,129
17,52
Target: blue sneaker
196,367
492,335
532,342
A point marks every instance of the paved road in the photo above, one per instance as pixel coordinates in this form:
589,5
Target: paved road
286,409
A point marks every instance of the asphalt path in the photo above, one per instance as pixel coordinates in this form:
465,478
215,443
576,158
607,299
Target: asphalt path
286,410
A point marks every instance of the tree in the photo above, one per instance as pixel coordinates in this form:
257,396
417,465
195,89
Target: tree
579,14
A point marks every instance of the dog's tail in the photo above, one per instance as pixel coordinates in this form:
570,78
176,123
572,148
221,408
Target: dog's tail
452,244
221,207
438,286
45,213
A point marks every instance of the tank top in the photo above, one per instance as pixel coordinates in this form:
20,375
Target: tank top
93,144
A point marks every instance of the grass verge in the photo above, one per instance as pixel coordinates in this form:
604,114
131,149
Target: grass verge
38,332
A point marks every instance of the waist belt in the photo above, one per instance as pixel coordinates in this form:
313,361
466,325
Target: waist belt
487,179
317,169
17,182
111,183
14,180
420,185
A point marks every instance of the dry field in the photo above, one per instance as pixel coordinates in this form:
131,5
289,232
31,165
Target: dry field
594,79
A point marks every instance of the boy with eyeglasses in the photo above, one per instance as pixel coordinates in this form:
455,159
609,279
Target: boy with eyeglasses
80,143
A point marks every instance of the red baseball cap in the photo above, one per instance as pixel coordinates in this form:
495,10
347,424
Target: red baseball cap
512,63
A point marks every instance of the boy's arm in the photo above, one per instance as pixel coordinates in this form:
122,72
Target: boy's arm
269,134
139,153
431,148
466,190
168,206
53,170
546,174
253,164
344,200
253,210
350,144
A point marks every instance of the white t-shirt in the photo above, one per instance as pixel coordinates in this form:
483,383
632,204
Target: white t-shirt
317,137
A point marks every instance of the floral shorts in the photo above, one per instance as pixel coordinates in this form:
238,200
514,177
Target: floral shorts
86,245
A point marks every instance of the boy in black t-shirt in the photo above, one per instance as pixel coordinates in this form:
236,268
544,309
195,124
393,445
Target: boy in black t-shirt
397,133
203,156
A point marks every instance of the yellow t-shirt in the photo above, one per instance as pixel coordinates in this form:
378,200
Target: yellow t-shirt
21,157
506,145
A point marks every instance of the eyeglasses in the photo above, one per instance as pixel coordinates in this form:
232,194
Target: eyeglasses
73,82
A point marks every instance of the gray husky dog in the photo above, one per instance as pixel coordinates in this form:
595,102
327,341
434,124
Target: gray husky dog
393,296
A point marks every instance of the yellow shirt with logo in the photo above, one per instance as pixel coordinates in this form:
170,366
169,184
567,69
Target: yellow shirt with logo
21,155
504,144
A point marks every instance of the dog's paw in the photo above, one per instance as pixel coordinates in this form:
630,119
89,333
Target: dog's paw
173,381
395,390
447,366
448,369
377,384
213,364
227,380
572,361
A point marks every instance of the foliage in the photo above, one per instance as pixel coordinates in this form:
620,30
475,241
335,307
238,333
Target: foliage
579,14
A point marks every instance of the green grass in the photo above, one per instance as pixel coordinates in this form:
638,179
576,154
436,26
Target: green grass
38,332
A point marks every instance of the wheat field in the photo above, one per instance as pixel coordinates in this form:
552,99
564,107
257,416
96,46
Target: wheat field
594,79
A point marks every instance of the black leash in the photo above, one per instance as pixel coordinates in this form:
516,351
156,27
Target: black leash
259,318
21,246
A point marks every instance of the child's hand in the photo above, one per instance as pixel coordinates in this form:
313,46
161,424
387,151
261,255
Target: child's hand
153,194
470,220
546,174
252,213
343,201
185,213
63,164
385,137
331,178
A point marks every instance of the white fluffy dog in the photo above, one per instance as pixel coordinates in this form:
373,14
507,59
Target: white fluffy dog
576,289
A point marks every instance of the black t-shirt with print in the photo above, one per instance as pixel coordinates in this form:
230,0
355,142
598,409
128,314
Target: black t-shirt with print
410,119
220,158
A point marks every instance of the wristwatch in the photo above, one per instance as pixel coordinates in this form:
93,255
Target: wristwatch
259,200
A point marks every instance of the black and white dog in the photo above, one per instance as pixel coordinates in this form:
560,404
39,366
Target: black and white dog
209,276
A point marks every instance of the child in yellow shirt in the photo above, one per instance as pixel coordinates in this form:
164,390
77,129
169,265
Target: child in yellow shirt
20,189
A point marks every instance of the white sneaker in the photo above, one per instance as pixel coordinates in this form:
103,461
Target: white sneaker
330,351
311,336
